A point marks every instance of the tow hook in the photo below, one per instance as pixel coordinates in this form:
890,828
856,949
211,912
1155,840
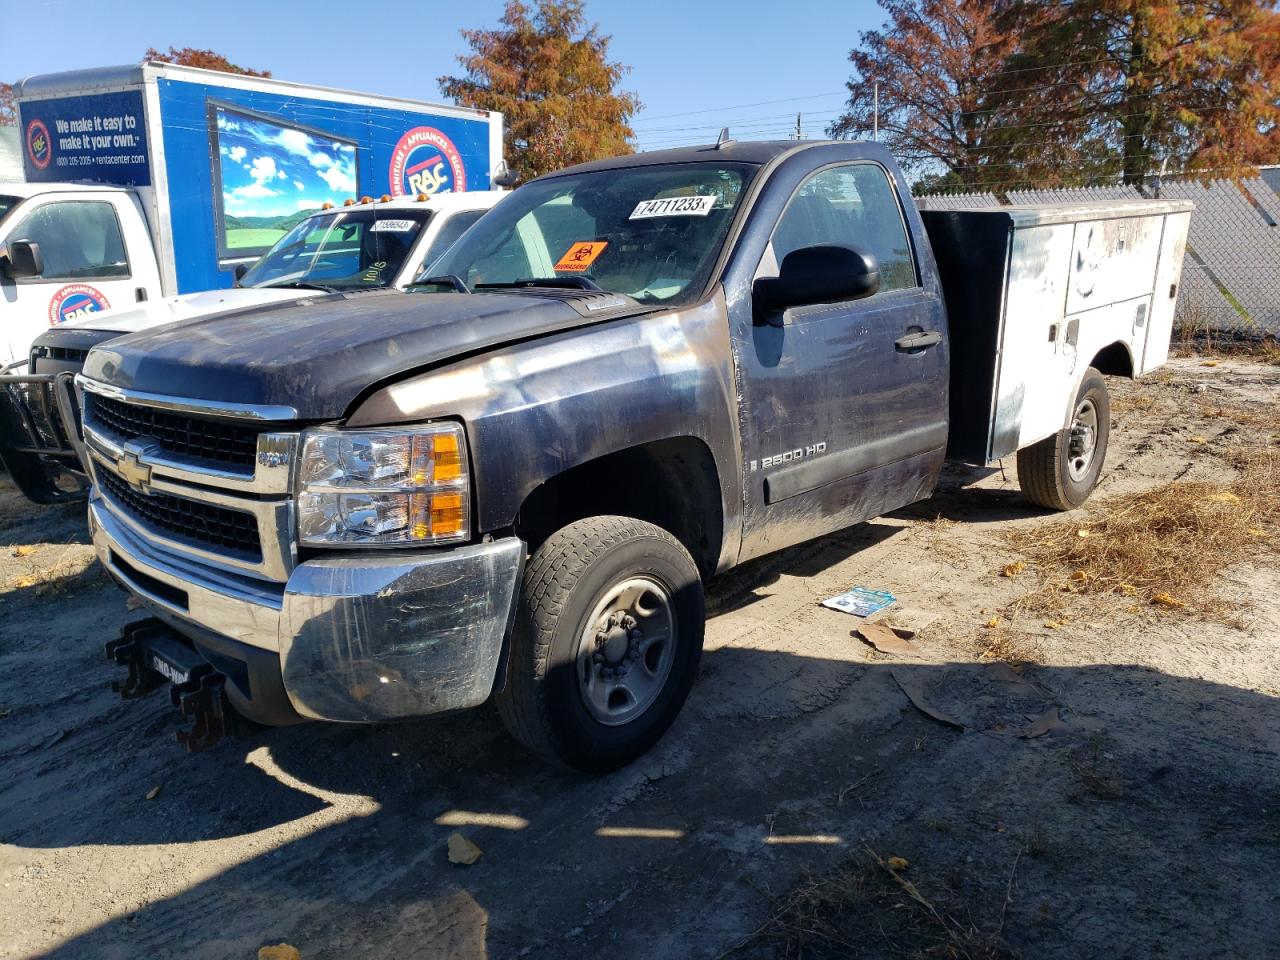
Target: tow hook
154,656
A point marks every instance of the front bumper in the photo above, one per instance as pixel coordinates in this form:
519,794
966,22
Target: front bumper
358,638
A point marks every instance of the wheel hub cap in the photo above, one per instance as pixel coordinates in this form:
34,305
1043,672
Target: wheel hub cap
1083,439
626,650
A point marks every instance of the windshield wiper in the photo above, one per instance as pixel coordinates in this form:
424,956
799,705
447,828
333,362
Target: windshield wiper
453,281
305,285
573,283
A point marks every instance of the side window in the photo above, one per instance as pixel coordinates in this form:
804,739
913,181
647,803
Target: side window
79,240
453,228
853,206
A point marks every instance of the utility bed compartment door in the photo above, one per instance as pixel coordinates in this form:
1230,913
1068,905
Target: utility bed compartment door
1034,294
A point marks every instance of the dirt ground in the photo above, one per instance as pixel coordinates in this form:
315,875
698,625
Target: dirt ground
1117,795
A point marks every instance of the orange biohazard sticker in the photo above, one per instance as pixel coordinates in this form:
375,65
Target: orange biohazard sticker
580,256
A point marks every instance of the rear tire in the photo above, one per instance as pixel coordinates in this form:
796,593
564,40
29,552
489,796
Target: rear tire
605,645
1061,471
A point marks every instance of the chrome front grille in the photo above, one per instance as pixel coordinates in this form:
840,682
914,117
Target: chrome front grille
190,482
204,525
232,444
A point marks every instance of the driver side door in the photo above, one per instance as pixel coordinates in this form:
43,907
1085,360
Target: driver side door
840,421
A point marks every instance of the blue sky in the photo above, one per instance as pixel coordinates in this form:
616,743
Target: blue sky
273,171
696,64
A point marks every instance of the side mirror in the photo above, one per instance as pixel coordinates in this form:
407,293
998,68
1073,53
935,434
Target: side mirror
818,274
238,273
25,259
503,176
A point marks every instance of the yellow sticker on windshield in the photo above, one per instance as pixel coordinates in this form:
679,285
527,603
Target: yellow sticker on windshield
580,256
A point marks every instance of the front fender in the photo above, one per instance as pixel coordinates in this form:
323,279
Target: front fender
536,409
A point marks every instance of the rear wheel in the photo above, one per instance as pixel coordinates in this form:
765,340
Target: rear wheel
606,643
1061,471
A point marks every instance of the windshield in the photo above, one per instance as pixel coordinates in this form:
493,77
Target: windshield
7,203
652,233
363,248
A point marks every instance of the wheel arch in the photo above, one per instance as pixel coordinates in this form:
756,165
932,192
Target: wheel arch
672,483
1115,360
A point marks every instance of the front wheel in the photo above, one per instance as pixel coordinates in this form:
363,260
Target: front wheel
606,643
1061,471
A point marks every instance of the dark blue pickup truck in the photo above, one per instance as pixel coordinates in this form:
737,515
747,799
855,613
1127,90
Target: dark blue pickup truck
629,376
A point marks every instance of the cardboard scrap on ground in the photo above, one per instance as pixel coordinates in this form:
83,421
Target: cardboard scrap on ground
915,693
888,639
860,601
1009,687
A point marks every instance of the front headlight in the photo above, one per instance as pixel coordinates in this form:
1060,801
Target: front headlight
406,486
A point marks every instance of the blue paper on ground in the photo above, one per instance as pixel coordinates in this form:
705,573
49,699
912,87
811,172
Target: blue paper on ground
860,601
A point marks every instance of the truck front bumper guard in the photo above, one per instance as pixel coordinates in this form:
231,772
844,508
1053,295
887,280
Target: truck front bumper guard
39,414
359,637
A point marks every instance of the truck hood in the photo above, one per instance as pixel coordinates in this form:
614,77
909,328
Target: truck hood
155,312
320,353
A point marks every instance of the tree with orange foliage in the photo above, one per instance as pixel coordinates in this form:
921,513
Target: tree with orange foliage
204,59
1007,94
548,71
8,106
1192,82
926,80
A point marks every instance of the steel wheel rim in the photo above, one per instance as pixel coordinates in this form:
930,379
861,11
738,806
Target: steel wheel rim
1083,439
626,650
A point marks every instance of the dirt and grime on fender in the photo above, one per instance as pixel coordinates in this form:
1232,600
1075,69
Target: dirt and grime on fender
1102,780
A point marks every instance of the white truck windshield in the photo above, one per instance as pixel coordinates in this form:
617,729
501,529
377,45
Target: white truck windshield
652,233
344,250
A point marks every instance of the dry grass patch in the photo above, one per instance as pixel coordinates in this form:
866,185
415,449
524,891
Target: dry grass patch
70,571
869,908
1165,546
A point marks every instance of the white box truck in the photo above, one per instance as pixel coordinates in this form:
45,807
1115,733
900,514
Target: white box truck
153,180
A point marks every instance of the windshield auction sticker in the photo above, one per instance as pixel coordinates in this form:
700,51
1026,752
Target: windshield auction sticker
393,226
580,256
698,206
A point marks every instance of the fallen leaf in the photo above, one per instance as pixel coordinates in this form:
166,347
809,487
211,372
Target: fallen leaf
1209,363
1013,569
992,623
281,951
1080,575
896,863
1199,439
1128,589
888,639
1226,496
153,793
1083,533
25,550
1167,600
462,851
24,582
1255,532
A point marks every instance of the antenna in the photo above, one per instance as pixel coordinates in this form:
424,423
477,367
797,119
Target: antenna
724,139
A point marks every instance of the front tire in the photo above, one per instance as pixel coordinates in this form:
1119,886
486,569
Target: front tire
605,645
1061,471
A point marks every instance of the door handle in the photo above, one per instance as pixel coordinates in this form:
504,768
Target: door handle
918,340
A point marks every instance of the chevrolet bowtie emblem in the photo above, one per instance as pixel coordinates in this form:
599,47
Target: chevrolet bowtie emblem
133,472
